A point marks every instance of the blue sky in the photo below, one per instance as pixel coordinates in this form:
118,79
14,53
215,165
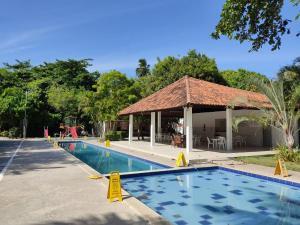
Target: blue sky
117,33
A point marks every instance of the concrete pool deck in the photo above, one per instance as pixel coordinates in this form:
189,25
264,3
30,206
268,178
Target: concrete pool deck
46,186
169,152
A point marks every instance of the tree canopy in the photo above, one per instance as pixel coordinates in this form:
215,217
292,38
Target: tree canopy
258,21
170,69
52,90
241,79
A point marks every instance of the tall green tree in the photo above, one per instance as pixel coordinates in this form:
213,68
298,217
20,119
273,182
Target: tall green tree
171,68
143,68
258,21
241,79
114,91
290,76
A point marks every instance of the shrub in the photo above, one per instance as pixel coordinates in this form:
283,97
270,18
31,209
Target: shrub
113,135
14,132
288,155
4,133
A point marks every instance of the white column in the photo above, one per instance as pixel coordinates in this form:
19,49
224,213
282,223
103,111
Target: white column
159,122
130,130
152,129
229,129
189,131
184,120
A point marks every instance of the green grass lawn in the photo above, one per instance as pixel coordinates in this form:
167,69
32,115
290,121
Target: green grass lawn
267,160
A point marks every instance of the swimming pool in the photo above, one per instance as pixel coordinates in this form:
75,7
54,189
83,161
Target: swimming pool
105,160
216,196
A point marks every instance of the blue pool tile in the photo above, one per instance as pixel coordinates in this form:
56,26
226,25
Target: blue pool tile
255,200
264,212
206,217
226,185
185,196
261,186
261,207
183,191
182,204
236,192
166,203
176,215
181,222
143,186
211,208
216,196
295,216
160,192
205,222
173,179
159,208
208,179
195,186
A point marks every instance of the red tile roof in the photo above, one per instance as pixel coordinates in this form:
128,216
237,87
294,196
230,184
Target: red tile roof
191,91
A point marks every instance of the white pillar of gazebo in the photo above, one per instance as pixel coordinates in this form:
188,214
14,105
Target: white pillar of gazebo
159,122
152,129
184,120
130,130
189,131
229,129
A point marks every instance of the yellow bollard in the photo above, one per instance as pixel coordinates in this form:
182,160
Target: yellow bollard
84,137
49,139
107,143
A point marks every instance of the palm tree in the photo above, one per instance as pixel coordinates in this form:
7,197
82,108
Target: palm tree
143,69
283,112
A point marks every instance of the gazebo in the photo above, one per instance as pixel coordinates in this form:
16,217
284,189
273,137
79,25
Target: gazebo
187,96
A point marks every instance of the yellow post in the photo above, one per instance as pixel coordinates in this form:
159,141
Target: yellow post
114,187
84,137
49,138
107,143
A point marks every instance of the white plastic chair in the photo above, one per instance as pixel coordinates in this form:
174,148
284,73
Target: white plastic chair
222,142
209,142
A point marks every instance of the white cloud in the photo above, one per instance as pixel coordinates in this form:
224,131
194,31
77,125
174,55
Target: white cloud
24,40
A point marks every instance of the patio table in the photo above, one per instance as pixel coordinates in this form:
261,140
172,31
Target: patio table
215,142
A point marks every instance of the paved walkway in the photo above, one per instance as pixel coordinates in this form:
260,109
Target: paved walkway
45,186
167,151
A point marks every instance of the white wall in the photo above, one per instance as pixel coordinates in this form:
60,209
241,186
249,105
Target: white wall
252,131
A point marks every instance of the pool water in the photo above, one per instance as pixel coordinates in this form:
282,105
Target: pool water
105,160
216,196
